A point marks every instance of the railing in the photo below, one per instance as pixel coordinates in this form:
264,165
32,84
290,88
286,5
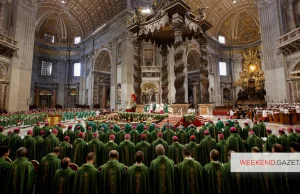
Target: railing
150,69
8,40
289,38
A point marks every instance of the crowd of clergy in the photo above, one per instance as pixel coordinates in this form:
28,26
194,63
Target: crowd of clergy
141,159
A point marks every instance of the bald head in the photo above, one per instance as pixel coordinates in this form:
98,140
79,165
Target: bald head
113,154
160,150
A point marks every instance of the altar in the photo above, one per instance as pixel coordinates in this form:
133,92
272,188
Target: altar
54,119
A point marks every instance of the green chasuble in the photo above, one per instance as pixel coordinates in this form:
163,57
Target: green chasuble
15,143
262,129
271,140
189,177
168,135
108,133
148,135
63,181
50,143
86,180
29,143
162,176
127,152
244,132
223,148
238,181
201,133
81,127
226,132
235,143
93,125
60,134
46,129
216,179
213,131
182,137
76,134
256,130
140,127
101,136
135,136
151,127
292,137
155,143
107,148
145,147
253,141
96,146
65,150
88,136
3,139
36,130
20,179
165,126
238,129
39,148
138,180
113,178
282,140
193,131
70,133
79,151
127,127
105,127
230,122
47,168
175,152
116,128
153,135
206,145
220,125
120,136
194,149
4,169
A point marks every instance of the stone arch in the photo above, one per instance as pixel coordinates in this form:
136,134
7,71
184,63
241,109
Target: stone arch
73,92
3,72
193,60
103,61
294,70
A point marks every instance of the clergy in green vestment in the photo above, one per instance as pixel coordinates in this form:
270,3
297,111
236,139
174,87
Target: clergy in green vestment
223,148
253,141
39,146
116,128
201,132
193,131
4,166
168,135
293,177
193,147
80,125
36,129
215,176
189,175
92,124
175,151
128,127
29,143
105,126
162,173
76,132
60,134
145,147
206,145
87,177
158,141
120,136
101,134
271,140
238,181
46,129
147,133
20,178
182,136
262,128
3,138
113,175
220,125
79,150
213,131
96,146
134,134
153,134
151,127
51,141
88,136
256,129
282,140
14,143
63,178
47,168
70,134
297,131
238,128
110,145
292,137
226,131
140,127
138,177
65,148
108,133
127,151
245,131
165,125
235,142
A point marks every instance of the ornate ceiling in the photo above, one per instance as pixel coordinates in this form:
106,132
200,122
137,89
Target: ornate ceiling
82,16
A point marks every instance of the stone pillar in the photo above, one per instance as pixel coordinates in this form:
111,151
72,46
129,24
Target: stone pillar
137,72
37,96
204,82
54,98
195,94
164,74
103,103
21,63
291,15
177,25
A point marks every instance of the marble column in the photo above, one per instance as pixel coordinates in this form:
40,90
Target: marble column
137,72
164,74
195,84
291,15
103,103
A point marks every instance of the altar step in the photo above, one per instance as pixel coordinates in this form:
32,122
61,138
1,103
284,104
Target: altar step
202,119
173,121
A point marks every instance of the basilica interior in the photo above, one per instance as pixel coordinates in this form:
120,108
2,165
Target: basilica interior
96,53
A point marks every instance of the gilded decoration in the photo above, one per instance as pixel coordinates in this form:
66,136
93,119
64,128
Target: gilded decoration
45,93
103,62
